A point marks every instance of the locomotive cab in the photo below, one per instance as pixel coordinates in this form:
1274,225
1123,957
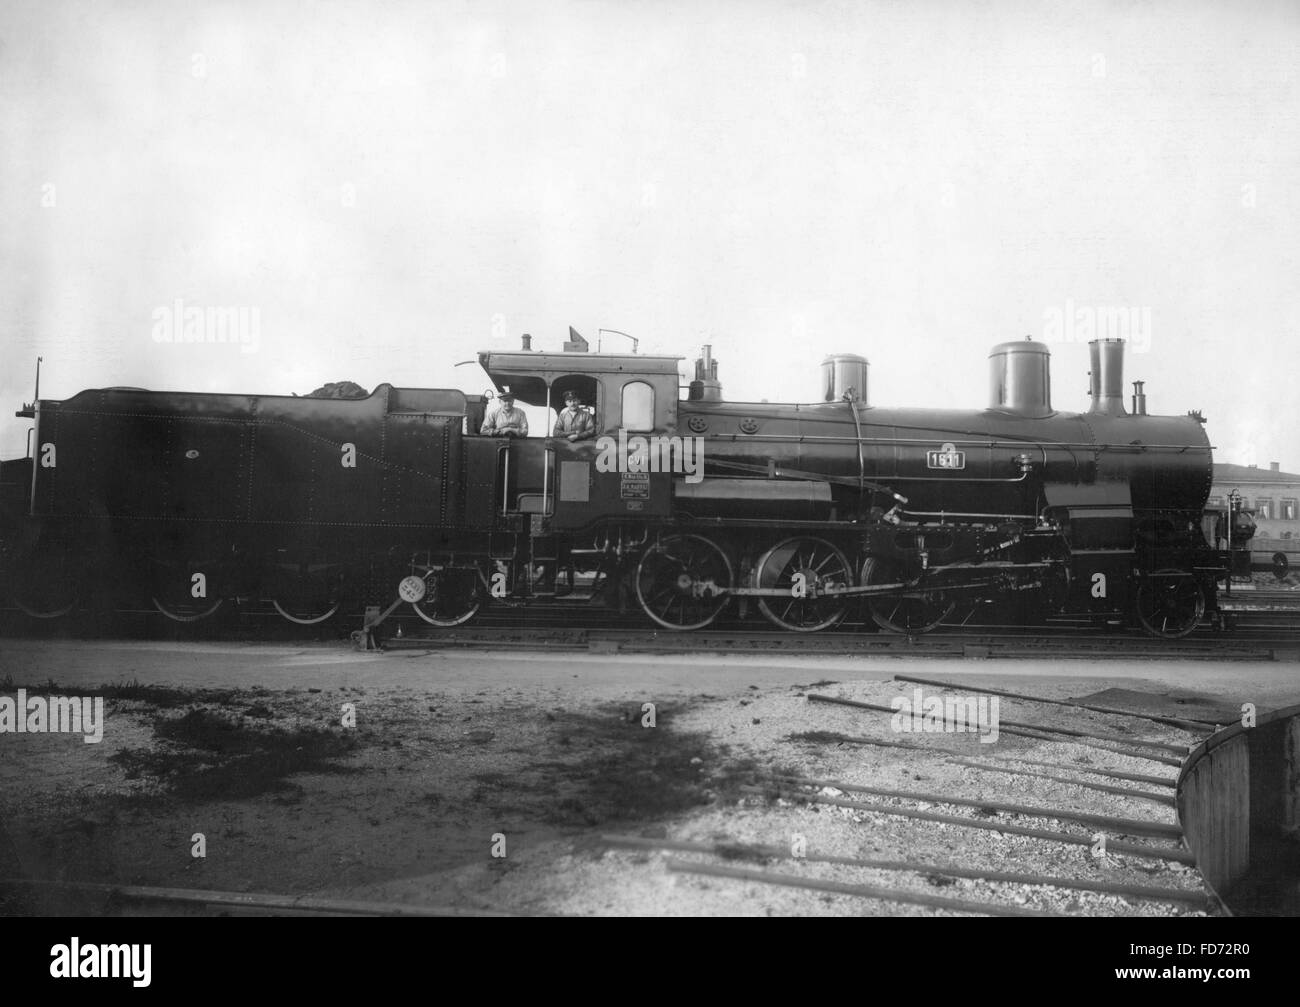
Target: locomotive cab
574,484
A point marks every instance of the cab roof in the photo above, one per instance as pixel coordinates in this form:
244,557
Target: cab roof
528,373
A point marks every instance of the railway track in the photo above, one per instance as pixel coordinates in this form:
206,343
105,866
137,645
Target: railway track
980,647
1113,835
1252,638
1255,625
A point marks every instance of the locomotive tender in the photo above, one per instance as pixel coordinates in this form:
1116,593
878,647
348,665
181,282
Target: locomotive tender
681,506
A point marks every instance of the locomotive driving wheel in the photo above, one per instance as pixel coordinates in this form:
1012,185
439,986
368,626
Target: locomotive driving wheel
803,568
682,582
1170,603
916,612
450,597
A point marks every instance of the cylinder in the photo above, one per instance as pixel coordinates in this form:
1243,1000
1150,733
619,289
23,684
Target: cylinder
845,375
1020,378
1107,377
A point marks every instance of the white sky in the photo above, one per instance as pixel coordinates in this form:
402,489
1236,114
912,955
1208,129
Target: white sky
394,187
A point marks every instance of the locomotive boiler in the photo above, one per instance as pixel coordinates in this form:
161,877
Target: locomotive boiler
685,507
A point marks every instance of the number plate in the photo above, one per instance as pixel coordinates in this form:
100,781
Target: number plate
947,457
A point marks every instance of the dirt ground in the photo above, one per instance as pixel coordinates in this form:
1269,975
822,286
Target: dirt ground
410,804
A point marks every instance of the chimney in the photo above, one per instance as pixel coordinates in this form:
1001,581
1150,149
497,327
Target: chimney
1275,466
1107,377
528,343
705,387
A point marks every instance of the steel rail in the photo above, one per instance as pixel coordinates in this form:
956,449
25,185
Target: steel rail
1123,826
1167,800
741,850
1115,846
860,891
1069,731
1189,724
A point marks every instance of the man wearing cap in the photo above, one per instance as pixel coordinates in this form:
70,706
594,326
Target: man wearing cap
575,423
506,420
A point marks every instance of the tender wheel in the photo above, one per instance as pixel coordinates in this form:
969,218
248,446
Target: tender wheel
1280,565
306,594
47,584
187,592
188,613
682,582
43,613
304,619
1170,603
44,604
916,612
821,566
450,597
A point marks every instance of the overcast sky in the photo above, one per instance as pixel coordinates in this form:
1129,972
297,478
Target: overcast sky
386,189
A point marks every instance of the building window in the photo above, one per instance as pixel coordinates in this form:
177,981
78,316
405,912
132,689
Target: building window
1215,502
1264,508
1290,510
638,406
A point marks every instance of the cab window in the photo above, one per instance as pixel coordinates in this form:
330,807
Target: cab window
638,406
586,387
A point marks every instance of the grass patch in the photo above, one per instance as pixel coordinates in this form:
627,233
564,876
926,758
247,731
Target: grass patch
132,691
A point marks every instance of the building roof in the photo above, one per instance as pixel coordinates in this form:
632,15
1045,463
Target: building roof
1226,473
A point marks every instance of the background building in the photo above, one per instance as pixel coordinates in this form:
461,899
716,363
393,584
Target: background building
1273,497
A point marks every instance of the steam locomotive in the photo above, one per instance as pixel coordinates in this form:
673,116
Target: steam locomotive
683,507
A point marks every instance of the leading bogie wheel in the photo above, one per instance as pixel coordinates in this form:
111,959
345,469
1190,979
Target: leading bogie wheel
1170,603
